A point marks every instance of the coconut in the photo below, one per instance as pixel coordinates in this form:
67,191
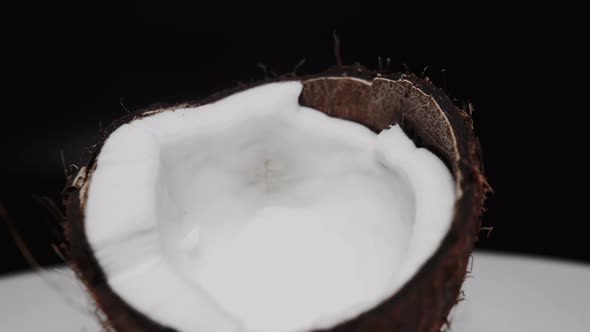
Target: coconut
343,201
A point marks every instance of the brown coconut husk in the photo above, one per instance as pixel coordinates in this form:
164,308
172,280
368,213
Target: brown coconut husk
375,100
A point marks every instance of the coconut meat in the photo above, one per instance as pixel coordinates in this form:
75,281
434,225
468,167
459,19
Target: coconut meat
255,214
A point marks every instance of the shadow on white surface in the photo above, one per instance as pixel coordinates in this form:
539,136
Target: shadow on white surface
503,293
521,294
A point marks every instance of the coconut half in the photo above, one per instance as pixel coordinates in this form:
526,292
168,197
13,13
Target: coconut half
297,204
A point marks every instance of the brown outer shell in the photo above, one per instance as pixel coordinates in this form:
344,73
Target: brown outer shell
425,301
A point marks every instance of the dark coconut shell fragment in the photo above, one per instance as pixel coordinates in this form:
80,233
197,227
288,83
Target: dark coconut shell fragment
375,100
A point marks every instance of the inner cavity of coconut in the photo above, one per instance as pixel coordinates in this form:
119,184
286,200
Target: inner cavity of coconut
257,214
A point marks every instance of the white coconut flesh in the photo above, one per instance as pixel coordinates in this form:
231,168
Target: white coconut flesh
256,214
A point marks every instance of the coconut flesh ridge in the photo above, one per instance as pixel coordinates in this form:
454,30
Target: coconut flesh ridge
256,214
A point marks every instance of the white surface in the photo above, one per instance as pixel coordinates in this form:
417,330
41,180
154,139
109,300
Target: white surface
257,197
507,294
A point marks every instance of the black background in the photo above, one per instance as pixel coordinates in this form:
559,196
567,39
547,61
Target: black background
71,66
